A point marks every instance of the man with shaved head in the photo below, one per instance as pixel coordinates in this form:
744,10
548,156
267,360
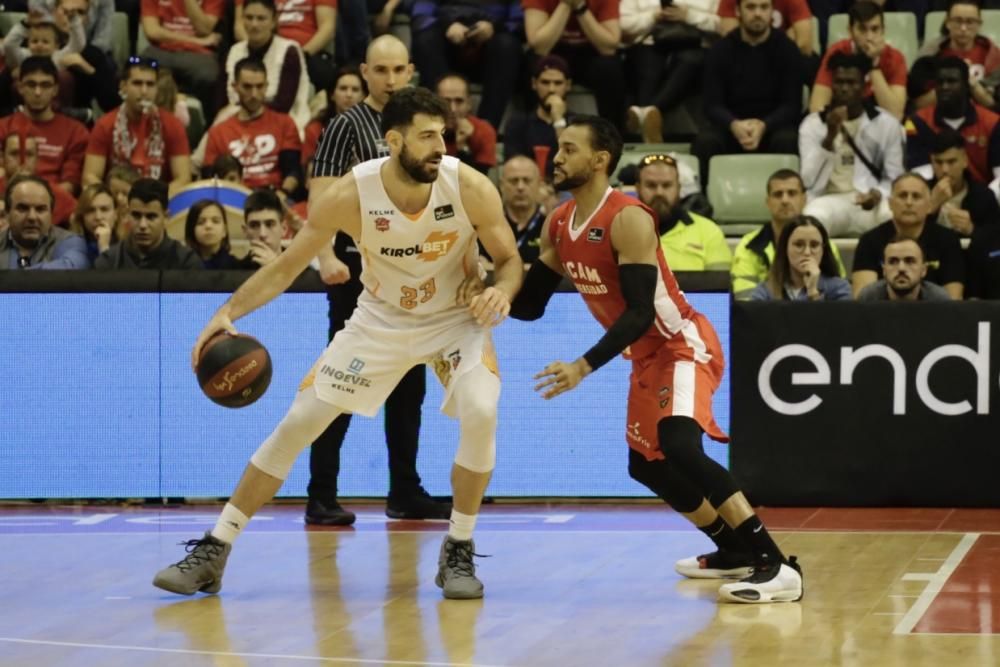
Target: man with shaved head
520,190
352,137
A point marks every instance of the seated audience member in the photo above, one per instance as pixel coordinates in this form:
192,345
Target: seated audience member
264,141
288,81
147,245
803,267
752,90
754,254
20,158
851,152
957,201
138,134
169,98
61,141
119,181
39,36
978,125
479,39
472,140
207,233
94,71
911,205
664,58
586,34
690,242
520,183
348,89
32,241
983,264
904,269
886,80
96,14
310,23
95,220
960,37
227,168
264,226
792,16
536,133
182,37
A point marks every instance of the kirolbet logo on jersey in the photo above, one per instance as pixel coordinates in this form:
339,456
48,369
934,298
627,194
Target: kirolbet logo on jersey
434,247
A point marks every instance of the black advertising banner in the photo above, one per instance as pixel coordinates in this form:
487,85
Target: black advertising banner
867,404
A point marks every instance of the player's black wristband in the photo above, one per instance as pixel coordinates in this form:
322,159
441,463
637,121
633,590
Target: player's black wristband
638,283
539,285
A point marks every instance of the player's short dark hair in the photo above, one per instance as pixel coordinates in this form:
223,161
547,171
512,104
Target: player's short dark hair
604,136
899,238
945,140
269,4
841,60
35,64
149,190
784,175
864,11
249,65
404,106
28,178
952,62
263,199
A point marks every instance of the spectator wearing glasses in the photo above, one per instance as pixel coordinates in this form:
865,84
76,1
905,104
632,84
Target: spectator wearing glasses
183,38
139,134
804,268
690,242
904,268
32,242
960,38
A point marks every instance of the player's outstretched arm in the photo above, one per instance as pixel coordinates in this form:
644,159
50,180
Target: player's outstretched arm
541,282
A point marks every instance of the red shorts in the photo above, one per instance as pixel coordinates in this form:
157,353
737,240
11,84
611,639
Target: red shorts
673,383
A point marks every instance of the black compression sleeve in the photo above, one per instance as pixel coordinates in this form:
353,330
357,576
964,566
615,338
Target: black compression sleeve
539,285
638,283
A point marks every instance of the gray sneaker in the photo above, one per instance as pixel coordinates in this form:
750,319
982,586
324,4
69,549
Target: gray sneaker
201,570
456,573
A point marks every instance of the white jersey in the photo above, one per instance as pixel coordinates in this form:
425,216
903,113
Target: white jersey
415,264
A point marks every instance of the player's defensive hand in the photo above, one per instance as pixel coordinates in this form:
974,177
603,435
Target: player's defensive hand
490,308
219,322
559,377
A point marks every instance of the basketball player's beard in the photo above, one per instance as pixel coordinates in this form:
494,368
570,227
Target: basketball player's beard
571,182
415,168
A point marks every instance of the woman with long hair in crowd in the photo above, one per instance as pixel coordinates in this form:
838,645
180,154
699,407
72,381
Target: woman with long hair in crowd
206,231
348,89
804,268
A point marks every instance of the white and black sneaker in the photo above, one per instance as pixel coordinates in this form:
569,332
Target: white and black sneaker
770,582
716,565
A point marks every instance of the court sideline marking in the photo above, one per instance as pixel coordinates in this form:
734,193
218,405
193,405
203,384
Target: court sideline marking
235,654
935,582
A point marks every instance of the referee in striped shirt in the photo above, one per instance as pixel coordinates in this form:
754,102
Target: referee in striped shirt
350,138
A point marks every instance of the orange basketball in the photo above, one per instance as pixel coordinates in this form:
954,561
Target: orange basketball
234,371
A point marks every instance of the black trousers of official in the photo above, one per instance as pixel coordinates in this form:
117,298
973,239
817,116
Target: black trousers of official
402,407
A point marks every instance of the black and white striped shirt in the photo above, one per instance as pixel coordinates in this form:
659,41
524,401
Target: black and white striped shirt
352,137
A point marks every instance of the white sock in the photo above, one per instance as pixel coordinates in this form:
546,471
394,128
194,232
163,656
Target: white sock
230,524
461,525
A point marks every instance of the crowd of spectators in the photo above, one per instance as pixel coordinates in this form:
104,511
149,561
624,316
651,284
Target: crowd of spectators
903,158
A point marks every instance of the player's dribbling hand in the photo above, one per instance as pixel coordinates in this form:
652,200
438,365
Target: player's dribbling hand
219,322
559,377
490,308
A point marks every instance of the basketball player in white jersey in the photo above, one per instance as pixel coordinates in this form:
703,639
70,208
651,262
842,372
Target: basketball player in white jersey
416,217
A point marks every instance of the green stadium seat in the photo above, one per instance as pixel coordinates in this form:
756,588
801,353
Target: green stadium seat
121,45
990,27
198,125
8,20
737,185
633,153
900,32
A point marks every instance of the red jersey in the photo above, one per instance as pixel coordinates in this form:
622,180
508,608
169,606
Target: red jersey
297,18
589,260
572,34
256,143
786,12
983,58
981,131
175,143
173,17
62,145
891,63
314,130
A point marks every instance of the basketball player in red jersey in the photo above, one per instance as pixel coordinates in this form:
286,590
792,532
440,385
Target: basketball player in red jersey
606,242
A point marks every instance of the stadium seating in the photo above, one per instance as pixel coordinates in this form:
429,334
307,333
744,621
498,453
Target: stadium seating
737,185
900,32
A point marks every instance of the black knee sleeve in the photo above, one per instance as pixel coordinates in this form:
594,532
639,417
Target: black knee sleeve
680,442
662,479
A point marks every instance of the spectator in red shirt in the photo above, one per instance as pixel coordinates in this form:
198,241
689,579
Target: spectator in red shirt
264,141
138,134
348,89
887,78
182,36
472,140
586,33
312,24
61,141
959,37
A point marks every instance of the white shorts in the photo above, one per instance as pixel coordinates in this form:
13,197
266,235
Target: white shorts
379,345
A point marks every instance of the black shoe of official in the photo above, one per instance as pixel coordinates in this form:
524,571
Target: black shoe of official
328,514
417,505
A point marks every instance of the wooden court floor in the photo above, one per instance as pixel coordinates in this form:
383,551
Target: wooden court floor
567,585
